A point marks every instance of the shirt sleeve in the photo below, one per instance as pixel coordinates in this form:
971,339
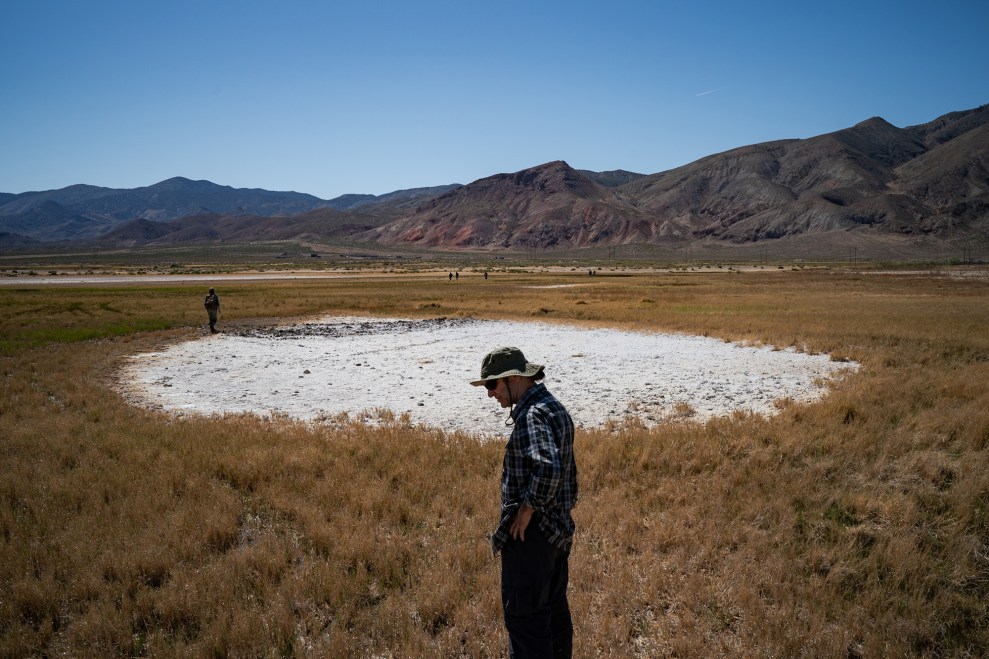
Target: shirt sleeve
547,467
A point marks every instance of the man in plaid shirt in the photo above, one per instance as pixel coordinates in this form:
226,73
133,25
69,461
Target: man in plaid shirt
538,490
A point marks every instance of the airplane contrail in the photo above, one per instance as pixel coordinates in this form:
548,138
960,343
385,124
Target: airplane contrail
706,93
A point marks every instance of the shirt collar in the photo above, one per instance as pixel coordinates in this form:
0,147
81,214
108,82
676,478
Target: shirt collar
530,394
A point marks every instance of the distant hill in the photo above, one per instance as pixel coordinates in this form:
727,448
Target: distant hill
873,177
612,179
923,179
86,212
547,206
50,220
321,223
871,182
94,211
15,241
397,199
348,201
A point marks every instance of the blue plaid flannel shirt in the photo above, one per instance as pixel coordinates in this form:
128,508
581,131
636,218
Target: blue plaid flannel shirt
539,469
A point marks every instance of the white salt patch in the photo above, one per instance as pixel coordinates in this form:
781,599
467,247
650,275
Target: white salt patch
422,368
554,286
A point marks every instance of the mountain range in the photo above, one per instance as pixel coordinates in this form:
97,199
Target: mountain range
872,180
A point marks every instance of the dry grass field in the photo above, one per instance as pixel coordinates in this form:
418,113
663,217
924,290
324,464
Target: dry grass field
855,526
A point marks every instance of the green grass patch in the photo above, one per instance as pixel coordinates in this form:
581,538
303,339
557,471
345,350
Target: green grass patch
34,337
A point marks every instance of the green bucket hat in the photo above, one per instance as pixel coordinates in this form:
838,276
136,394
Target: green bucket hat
504,362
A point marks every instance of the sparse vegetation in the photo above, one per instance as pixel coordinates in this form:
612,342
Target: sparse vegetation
854,526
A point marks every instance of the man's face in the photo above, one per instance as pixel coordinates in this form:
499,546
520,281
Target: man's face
500,392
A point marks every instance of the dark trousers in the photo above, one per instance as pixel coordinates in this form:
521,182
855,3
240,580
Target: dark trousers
534,576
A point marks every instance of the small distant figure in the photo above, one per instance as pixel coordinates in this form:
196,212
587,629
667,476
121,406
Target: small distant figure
590,273
451,276
485,274
212,304
458,276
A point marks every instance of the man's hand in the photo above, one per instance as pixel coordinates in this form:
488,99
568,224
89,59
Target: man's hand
520,522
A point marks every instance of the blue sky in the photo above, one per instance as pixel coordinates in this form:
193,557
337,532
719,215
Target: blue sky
370,96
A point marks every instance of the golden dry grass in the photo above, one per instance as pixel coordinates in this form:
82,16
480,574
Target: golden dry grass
854,526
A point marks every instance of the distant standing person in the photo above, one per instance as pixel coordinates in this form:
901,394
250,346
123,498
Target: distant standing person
212,304
538,491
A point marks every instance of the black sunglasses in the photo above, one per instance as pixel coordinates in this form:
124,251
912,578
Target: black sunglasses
491,385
